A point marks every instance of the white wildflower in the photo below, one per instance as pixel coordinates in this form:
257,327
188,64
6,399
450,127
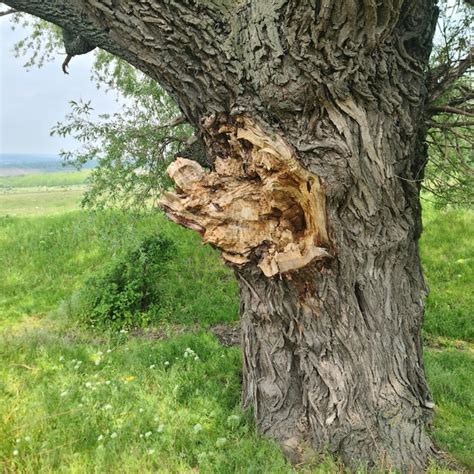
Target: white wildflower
100,438
15,452
233,421
113,435
197,428
108,407
152,366
167,363
160,429
148,434
221,442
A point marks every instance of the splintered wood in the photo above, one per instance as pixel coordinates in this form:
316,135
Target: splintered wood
258,205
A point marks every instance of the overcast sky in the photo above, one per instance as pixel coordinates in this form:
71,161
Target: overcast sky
31,102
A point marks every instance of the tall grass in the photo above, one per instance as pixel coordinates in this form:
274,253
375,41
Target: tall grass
447,250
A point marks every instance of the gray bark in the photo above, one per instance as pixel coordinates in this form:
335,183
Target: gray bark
332,351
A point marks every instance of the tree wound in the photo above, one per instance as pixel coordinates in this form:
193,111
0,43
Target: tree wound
258,205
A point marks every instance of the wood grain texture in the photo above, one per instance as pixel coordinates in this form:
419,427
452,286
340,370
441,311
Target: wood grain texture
258,205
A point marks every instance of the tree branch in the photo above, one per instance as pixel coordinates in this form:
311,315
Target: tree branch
442,76
446,109
8,12
174,122
173,42
446,125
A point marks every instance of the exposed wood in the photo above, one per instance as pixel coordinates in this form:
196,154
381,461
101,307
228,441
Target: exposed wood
258,205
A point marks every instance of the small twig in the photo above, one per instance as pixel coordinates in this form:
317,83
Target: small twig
174,122
48,417
444,125
24,366
251,288
446,109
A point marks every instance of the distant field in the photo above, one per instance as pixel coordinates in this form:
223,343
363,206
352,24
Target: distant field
61,178
34,202
42,194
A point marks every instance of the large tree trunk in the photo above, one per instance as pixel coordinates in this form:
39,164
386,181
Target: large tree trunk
331,342
312,113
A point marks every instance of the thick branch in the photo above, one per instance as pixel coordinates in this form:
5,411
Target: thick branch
174,42
8,12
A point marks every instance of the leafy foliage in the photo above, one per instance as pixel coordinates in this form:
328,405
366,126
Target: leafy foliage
43,43
450,170
134,147
126,289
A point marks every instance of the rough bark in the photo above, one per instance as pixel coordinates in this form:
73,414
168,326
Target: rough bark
312,113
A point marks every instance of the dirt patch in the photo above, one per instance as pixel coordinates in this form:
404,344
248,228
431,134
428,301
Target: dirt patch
228,335
163,333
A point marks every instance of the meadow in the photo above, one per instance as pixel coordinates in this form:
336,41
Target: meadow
166,398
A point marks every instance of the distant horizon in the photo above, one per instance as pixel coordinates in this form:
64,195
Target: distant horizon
2,153
15,164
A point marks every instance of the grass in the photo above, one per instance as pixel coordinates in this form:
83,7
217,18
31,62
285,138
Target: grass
115,402
447,250
450,377
40,202
77,400
55,253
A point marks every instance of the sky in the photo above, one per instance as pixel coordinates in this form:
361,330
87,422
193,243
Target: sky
32,102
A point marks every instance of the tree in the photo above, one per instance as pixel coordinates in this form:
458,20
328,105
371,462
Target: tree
314,117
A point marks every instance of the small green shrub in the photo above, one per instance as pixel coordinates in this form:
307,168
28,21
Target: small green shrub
125,292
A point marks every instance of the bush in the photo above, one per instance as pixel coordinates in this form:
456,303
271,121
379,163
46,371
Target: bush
126,291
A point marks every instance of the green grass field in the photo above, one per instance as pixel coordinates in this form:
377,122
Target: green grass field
78,400
64,178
